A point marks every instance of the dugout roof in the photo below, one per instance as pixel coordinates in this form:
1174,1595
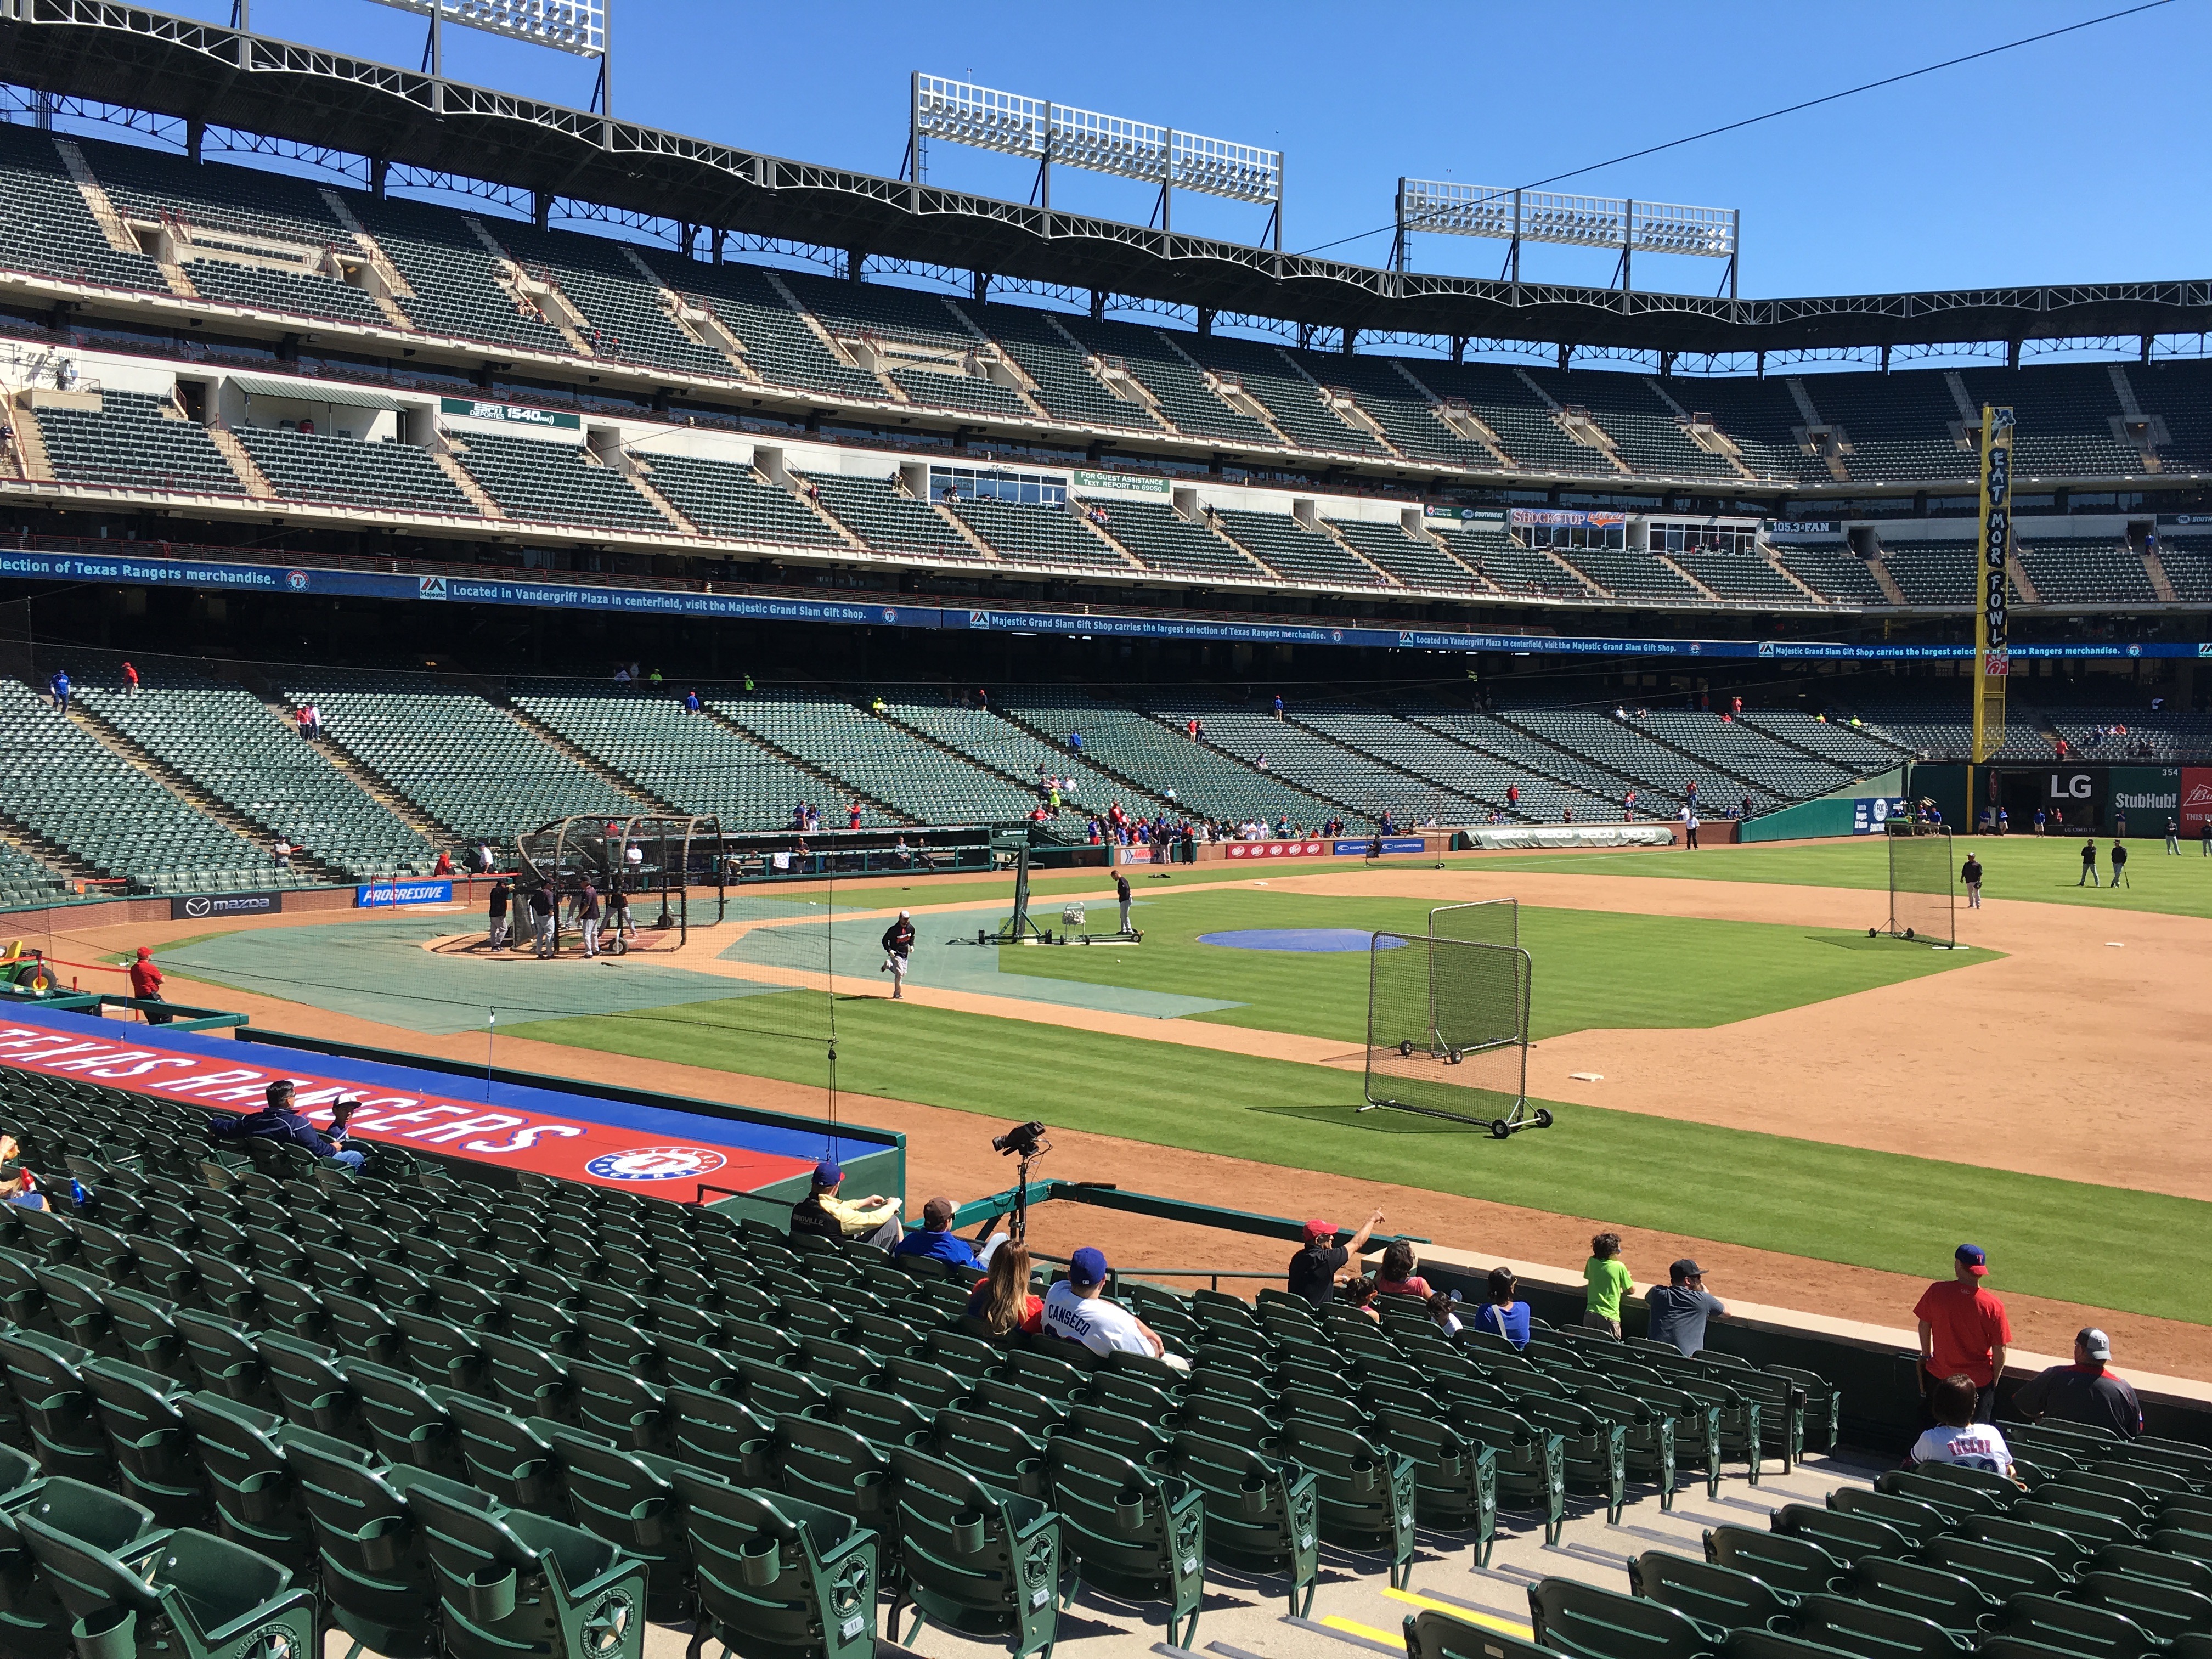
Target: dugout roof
199,71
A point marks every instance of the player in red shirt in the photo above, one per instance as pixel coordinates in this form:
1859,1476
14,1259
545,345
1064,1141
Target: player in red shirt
1964,1331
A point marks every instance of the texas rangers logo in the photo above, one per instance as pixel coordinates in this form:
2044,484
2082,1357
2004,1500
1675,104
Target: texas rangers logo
655,1164
1336,635
296,581
890,613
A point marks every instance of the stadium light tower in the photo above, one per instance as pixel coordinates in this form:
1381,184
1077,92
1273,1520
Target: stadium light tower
1445,208
1049,133
580,27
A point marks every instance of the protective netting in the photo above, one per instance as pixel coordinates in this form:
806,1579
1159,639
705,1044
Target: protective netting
1922,870
1448,1027
1486,921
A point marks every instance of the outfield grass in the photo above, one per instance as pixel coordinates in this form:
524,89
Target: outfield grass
1593,970
2044,870
2055,1238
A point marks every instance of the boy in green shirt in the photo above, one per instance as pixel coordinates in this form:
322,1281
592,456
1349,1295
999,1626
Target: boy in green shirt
1609,1280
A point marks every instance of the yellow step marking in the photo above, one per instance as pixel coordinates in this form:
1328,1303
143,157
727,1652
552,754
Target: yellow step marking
1353,1627
1510,1626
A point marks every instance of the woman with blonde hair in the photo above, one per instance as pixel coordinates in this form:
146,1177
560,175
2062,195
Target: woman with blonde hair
1002,1300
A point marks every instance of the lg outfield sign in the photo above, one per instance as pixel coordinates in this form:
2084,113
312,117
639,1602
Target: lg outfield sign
202,906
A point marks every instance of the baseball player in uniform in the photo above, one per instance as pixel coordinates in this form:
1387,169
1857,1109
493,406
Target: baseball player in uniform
898,953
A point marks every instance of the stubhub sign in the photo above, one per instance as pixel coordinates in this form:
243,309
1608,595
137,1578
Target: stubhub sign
385,893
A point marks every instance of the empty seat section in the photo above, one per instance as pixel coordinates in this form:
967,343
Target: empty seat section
2066,413
46,225
1896,426
1941,728
890,521
1742,576
2188,566
1763,420
1065,384
994,741
1525,571
1167,542
1832,570
1197,777
303,292
878,758
1648,434
1295,403
2128,729
231,744
922,343
777,342
1299,555
1621,748
1526,750
62,784
455,279
555,483
472,769
148,184
1932,572
1416,560
1778,771
1176,383
1041,535
725,499
1301,755
25,880
135,441
1403,409
1524,424
2080,571
625,321
1466,772
1856,750
388,476
1627,574
695,763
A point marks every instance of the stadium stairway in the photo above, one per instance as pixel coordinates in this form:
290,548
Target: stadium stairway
362,778
192,795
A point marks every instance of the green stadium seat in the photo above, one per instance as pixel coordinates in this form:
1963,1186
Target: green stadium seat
1574,1618
1366,1490
1862,1626
1997,1572
36,1610
2075,1627
988,1449
1944,1598
1130,1531
1262,1516
627,1498
778,1579
1795,1567
975,1561
197,1596
1847,1537
1720,1597
1455,1479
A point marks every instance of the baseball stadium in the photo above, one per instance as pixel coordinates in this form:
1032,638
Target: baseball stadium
1370,961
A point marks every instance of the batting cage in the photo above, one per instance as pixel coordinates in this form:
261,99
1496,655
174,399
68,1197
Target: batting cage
1922,892
1448,1030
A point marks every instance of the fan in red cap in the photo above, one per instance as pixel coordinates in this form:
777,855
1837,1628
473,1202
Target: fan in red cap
1316,1269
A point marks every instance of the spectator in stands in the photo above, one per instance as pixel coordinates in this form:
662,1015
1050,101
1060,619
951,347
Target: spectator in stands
146,985
853,816
692,702
935,1238
485,858
277,1120
1322,1261
283,849
622,677
1076,1310
444,867
17,1185
1502,1314
1747,807
2120,862
1398,1277
1513,794
1279,705
1359,1292
1608,1280
823,1214
58,687
2086,1392
1444,1309
1003,1303
495,934
1680,1307
1958,1436
1963,1331
2088,876
130,679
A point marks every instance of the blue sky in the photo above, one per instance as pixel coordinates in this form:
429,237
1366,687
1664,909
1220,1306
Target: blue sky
2063,161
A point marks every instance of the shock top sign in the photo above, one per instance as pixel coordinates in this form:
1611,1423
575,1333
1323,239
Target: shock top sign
1992,650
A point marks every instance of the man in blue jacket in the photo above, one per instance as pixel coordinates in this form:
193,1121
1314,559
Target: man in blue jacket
936,1239
278,1121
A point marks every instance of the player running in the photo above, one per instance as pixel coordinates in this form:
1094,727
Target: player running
898,953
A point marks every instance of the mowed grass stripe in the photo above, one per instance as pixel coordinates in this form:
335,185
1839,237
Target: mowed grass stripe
1593,970
2045,869
2068,1240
